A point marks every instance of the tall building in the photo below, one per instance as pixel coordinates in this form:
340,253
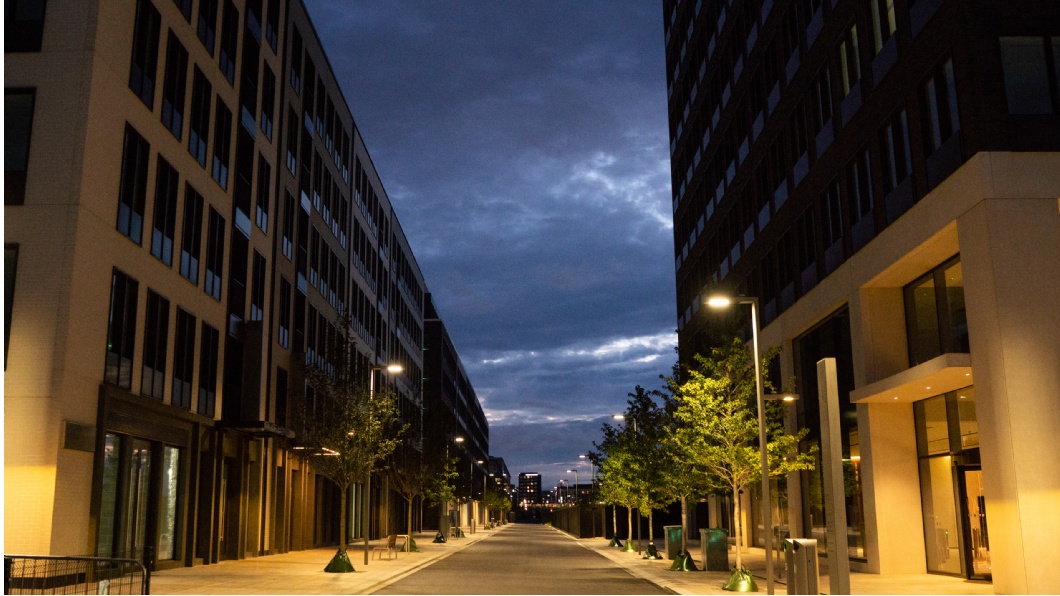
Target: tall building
189,211
529,489
884,177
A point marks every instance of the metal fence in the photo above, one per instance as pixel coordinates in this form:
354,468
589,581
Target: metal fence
74,575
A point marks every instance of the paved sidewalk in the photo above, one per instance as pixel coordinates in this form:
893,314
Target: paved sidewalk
710,582
301,572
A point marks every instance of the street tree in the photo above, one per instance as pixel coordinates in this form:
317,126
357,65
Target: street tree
716,428
440,485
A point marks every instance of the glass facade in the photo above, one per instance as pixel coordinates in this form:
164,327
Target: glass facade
936,321
954,510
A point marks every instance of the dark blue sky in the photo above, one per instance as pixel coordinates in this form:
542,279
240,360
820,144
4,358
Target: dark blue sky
524,147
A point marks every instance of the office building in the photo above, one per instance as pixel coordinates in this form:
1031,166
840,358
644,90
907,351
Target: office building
529,489
453,416
884,177
189,210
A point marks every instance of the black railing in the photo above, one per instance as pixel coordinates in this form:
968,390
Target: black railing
25,574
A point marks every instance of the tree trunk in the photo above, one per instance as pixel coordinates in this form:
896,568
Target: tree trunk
738,526
614,521
409,529
629,513
651,531
684,524
342,518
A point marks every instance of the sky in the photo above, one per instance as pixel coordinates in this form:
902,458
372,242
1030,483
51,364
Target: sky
524,148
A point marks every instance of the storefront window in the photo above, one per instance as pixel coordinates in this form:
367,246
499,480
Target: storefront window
940,515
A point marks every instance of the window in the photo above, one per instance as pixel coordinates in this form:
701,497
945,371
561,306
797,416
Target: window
156,337
859,186
229,41
222,143
208,371
121,330
144,61
314,255
894,149
264,186
283,336
18,124
10,267
132,194
168,493
288,225
268,100
849,60
257,290
185,8
296,62
165,212
272,23
883,22
207,27
807,239
199,129
174,86
833,213
936,321
215,254
292,141
1025,62
191,240
183,360
822,100
23,25
938,100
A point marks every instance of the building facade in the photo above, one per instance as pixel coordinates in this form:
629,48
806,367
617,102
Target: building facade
192,222
529,489
453,416
884,177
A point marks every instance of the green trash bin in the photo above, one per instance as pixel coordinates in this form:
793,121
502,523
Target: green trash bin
673,541
714,542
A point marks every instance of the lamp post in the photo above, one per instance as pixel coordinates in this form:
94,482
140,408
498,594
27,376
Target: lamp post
367,497
575,485
592,474
767,518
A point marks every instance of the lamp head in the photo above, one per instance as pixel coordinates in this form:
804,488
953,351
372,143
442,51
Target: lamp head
719,301
458,439
395,368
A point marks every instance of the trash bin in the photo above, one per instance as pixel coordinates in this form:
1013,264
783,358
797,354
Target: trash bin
714,542
800,554
673,541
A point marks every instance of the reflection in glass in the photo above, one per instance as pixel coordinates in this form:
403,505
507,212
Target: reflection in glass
968,423
924,324
136,495
109,496
955,305
168,503
940,516
932,436
976,507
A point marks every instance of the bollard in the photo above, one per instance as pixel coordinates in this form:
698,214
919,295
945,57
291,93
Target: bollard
803,571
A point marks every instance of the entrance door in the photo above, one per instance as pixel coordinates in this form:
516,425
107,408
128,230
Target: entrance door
976,537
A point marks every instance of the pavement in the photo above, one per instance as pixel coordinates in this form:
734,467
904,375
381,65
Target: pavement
301,572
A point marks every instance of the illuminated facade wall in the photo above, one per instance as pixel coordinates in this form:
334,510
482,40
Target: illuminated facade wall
883,176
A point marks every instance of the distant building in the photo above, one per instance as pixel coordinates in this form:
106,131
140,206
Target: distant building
529,489
883,177
498,472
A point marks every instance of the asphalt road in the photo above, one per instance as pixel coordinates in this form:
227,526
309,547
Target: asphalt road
524,559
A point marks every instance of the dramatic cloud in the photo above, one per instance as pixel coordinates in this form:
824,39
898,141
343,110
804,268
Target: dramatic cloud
525,149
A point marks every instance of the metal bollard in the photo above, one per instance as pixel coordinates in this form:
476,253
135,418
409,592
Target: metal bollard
800,555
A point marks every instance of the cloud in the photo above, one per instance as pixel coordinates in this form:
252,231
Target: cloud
525,148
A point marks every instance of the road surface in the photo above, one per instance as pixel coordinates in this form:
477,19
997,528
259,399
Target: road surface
523,559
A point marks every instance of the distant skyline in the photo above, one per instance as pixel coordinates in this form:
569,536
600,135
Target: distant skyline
524,147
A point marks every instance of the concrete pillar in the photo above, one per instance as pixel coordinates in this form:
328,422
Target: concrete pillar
894,526
1010,257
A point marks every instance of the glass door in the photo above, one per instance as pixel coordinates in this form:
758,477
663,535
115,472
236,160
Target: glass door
976,536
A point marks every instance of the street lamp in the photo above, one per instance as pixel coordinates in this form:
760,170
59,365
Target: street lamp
367,497
575,485
719,301
592,474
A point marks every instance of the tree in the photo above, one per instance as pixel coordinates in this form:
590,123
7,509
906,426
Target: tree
410,481
439,487
498,501
620,471
649,450
346,430
716,425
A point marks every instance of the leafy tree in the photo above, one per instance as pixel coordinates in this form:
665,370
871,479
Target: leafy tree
649,448
497,500
410,479
716,426
621,470
440,487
